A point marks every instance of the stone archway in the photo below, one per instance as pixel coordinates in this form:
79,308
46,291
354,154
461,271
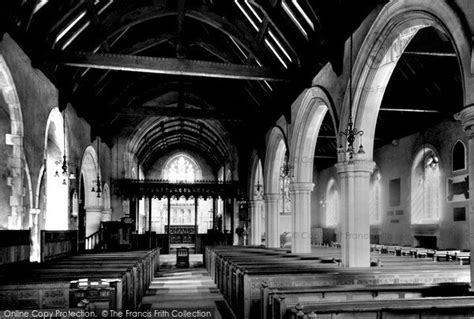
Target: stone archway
56,216
274,159
93,204
310,108
393,29
13,138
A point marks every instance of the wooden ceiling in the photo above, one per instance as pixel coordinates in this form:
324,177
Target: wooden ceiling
241,63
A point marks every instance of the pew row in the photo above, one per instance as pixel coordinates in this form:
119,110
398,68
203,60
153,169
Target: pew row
429,307
240,272
109,281
277,301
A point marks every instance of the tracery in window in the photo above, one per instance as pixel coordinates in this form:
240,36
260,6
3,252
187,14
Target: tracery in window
181,168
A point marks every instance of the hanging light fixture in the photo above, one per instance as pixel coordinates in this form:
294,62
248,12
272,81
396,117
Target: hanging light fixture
98,183
259,186
351,132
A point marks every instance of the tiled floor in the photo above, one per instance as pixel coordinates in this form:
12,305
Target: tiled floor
191,289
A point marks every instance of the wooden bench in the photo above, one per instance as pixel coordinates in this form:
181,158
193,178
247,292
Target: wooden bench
113,281
463,257
438,307
273,305
240,280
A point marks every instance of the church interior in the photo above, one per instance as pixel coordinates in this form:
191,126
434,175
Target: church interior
334,183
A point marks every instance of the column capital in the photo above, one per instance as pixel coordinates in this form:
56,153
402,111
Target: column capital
301,187
466,117
356,166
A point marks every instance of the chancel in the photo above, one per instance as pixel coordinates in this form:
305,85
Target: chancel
237,159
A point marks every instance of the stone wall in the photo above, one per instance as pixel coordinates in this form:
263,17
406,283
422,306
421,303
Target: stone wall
395,161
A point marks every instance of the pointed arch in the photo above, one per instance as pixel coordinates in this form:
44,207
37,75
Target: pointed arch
14,166
56,215
395,26
310,107
90,170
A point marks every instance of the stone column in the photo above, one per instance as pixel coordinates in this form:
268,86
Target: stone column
35,255
93,219
466,116
301,221
272,220
354,182
106,215
255,210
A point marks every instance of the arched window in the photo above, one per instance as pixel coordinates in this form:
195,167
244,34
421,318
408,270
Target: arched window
459,156
182,168
332,205
375,200
426,184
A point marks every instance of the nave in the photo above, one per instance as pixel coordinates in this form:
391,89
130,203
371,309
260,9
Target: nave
320,144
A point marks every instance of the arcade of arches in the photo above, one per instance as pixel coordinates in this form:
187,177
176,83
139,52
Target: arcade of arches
235,130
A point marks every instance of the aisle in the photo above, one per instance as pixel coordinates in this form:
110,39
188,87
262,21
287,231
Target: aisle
191,289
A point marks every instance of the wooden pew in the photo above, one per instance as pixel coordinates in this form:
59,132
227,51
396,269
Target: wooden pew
274,305
463,258
452,307
240,281
58,244
115,280
14,246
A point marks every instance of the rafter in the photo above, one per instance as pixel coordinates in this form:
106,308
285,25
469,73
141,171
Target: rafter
173,111
433,54
170,66
409,110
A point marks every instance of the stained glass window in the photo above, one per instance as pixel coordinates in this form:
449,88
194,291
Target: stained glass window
181,169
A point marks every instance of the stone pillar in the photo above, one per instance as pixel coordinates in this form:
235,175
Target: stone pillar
354,182
466,116
301,221
272,220
254,223
93,219
35,254
106,215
